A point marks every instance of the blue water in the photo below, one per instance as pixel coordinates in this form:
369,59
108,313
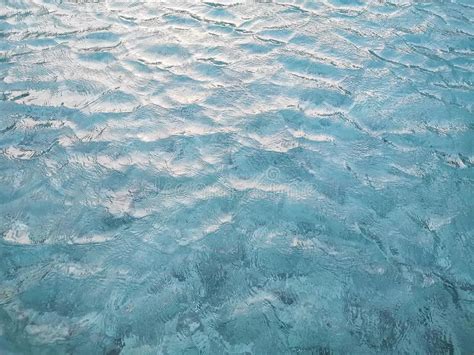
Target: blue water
236,178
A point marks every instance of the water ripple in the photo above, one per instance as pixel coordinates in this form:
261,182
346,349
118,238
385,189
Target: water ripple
233,177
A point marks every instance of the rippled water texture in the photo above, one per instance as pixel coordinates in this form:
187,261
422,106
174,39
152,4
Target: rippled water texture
259,178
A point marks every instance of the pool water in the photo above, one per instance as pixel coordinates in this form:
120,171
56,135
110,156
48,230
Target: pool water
236,177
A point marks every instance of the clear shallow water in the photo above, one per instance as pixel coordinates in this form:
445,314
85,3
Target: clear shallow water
240,178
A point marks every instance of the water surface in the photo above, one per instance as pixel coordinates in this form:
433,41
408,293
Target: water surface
236,177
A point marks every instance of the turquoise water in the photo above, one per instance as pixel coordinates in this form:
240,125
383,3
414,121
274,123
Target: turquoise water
236,178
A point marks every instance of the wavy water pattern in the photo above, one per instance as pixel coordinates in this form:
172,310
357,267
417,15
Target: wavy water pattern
236,177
